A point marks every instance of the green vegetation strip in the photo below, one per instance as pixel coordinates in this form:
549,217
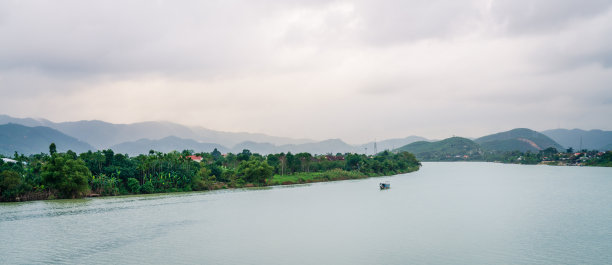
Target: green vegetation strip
104,173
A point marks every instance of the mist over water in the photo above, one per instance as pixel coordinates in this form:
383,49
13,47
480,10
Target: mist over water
446,213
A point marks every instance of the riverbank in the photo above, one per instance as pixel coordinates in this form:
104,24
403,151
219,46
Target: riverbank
276,180
547,157
104,173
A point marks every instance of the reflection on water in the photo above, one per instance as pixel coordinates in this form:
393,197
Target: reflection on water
447,213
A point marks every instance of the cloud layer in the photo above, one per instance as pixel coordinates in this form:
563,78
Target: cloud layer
312,69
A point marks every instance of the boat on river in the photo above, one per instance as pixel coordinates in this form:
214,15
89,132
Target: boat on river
385,185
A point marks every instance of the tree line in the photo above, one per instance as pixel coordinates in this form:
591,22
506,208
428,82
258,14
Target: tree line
550,156
106,173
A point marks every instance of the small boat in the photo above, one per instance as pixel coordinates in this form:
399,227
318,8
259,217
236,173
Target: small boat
385,185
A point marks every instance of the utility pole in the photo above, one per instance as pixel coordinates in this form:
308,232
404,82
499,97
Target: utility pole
375,148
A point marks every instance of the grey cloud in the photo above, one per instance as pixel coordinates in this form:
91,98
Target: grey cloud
211,38
395,21
390,22
423,65
134,36
532,17
585,42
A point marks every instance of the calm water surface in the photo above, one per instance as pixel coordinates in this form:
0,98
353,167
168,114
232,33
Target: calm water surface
447,213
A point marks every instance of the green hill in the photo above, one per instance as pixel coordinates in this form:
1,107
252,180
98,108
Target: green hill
34,140
458,148
451,149
517,140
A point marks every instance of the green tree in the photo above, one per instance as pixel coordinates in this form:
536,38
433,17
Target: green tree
67,176
291,163
133,185
215,170
305,159
198,181
231,160
216,154
52,149
10,185
255,171
353,162
244,156
147,188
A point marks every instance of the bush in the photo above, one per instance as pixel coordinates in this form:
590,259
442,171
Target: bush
147,187
67,176
10,185
133,185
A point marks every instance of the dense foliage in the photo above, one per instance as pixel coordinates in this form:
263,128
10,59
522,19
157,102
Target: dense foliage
603,160
67,175
452,151
103,173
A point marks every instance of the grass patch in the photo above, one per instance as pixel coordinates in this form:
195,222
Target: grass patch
331,175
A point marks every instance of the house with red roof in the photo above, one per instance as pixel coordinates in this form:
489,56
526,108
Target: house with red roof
195,158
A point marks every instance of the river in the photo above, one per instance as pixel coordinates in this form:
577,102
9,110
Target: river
446,213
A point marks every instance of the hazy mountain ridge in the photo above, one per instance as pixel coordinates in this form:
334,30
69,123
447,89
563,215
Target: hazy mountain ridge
34,140
103,135
141,137
161,136
167,144
591,140
390,144
172,143
323,147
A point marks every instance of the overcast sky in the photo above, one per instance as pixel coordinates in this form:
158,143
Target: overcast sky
355,70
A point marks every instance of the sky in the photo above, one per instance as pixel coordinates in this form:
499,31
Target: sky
355,70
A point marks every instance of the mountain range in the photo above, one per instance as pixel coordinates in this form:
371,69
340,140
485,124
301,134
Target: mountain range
34,140
520,139
139,138
103,135
581,139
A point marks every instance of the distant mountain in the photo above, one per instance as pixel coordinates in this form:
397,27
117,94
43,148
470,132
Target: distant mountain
389,144
103,135
34,140
167,144
172,143
332,146
453,148
520,139
5,119
144,136
606,148
260,148
323,147
591,140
